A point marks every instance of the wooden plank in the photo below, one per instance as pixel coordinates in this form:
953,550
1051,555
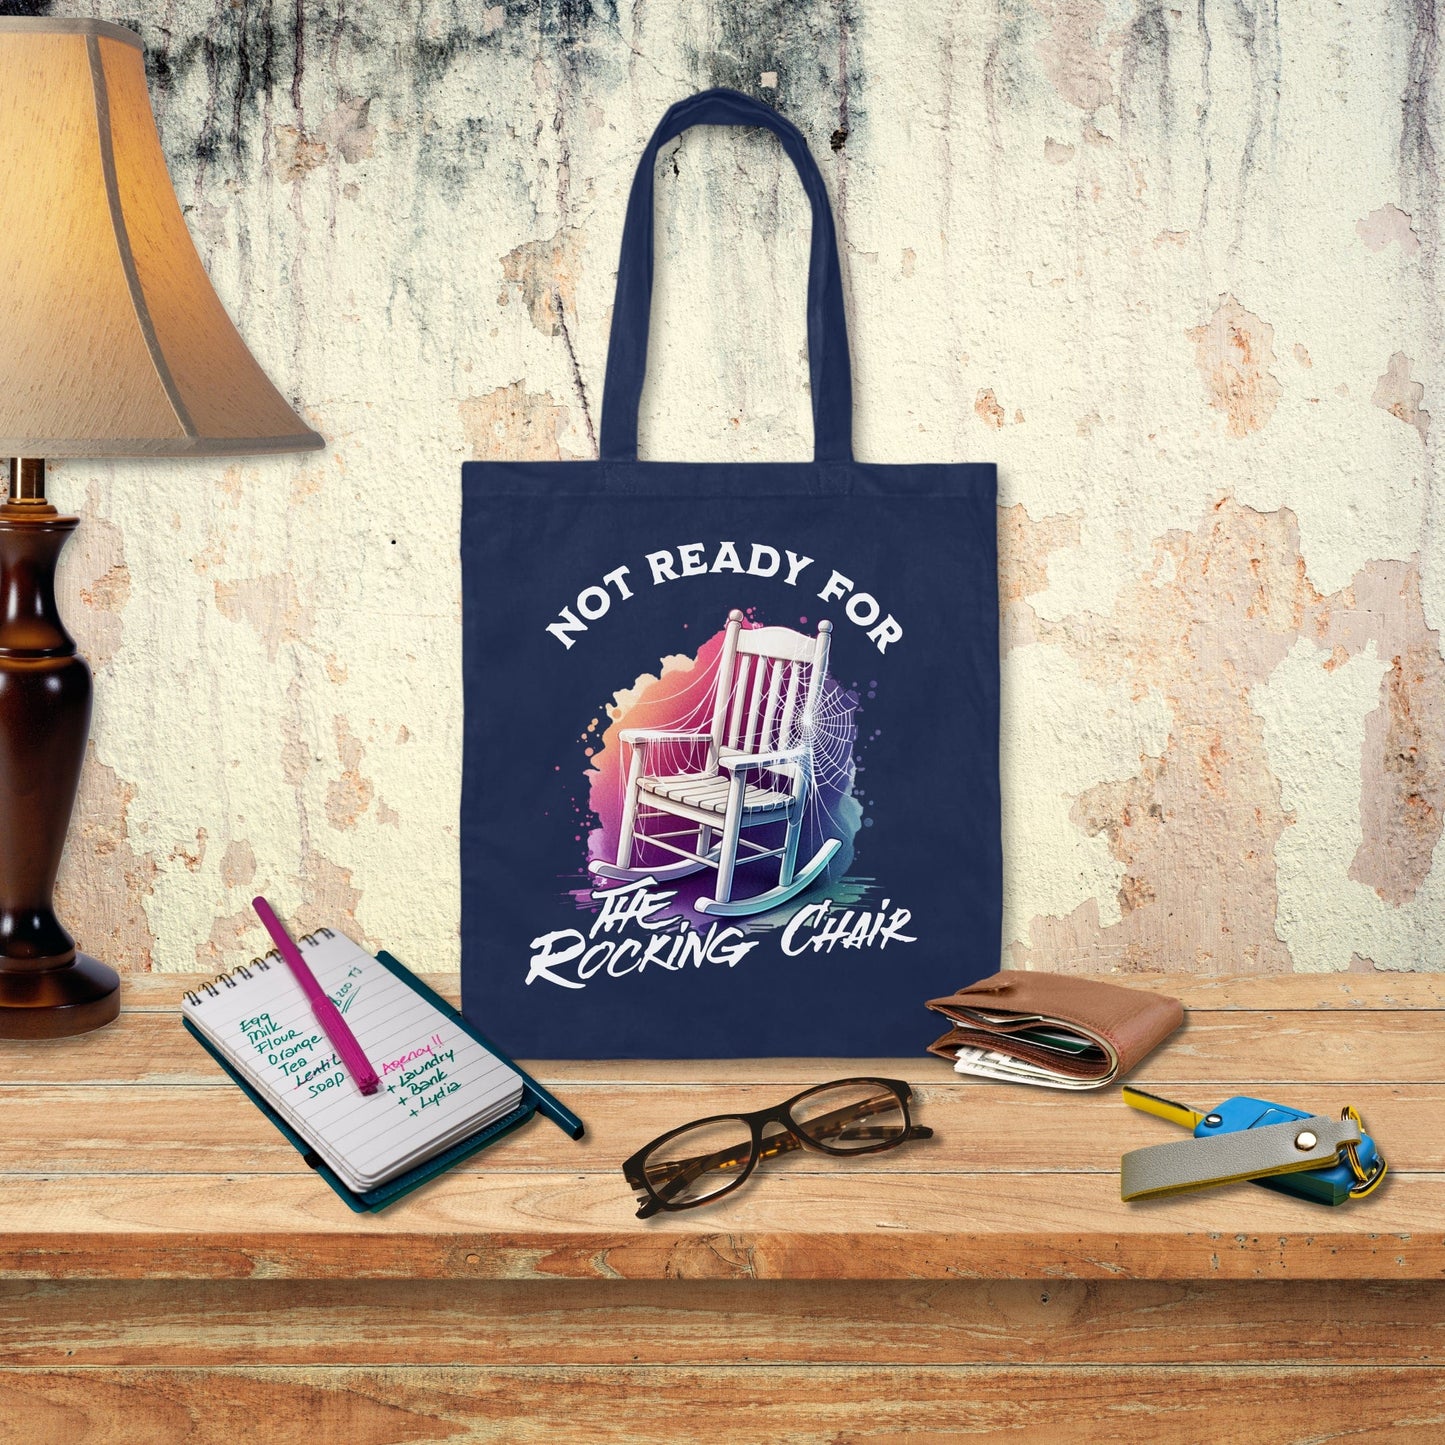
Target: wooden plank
813,1406
766,741
720,1322
790,1226
987,1130
696,792
1332,991
739,696
1205,992
790,707
1234,1048
750,731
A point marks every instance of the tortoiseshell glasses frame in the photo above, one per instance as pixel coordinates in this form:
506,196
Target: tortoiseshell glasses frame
876,1118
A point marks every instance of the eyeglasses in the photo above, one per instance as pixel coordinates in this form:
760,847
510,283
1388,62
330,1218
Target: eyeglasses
703,1161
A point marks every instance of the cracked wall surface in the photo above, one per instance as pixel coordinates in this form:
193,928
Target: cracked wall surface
1175,268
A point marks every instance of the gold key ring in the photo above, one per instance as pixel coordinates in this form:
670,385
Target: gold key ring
1366,1180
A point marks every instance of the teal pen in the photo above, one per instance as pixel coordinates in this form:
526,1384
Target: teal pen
327,1014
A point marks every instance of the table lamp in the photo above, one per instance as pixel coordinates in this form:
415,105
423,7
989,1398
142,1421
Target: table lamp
112,344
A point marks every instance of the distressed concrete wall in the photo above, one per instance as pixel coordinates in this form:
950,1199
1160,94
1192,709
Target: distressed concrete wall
1175,267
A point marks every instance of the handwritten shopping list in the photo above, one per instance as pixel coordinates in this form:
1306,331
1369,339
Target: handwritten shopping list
436,1081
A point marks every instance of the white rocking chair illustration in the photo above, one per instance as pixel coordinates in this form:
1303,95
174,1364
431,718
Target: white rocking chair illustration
769,686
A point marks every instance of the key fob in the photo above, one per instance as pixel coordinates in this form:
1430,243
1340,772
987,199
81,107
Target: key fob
1330,1185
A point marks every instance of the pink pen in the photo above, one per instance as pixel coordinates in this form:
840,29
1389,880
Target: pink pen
327,1014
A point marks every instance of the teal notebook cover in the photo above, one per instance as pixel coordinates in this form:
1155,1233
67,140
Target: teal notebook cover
535,1100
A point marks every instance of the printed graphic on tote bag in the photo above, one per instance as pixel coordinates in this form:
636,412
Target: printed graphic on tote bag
721,796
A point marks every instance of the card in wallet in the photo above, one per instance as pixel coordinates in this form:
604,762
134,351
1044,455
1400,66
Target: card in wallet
1059,1031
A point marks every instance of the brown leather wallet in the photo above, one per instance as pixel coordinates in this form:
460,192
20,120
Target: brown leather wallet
1099,1031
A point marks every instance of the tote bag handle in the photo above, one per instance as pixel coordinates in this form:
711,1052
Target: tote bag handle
827,324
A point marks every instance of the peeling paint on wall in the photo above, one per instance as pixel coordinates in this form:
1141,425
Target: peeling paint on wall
514,422
1234,352
1196,247
1397,394
1385,224
108,882
1402,763
350,795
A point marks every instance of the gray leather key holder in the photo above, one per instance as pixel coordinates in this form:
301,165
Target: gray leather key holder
1187,1164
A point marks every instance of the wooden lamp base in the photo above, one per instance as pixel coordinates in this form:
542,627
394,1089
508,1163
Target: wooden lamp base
54,1003
47,988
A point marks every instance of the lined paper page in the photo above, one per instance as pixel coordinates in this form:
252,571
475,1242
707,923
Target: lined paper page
438,1084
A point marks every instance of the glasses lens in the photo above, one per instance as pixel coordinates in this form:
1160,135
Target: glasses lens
856,1114
699,1162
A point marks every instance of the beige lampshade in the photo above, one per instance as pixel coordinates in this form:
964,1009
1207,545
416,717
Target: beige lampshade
112,342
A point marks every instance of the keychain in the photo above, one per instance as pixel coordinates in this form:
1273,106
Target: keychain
1308,1155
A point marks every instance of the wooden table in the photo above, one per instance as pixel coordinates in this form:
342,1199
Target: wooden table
169,1270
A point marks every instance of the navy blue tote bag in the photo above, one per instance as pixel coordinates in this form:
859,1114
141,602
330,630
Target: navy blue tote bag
730,779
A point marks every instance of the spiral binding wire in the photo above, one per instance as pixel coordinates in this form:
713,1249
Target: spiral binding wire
232,977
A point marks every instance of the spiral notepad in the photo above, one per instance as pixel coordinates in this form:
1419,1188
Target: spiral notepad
438,1084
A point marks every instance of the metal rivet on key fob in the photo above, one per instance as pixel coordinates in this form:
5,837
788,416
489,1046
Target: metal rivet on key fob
1305,1141
1214,1120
